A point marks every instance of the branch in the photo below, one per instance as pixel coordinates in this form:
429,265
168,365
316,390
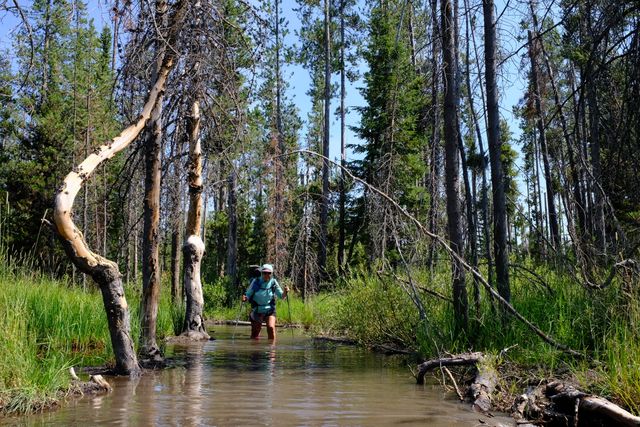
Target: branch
73,240
476,274
31,45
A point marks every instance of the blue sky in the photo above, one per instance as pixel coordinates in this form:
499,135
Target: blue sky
512,83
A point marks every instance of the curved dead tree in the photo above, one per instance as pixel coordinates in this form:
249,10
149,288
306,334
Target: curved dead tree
103,271
193,248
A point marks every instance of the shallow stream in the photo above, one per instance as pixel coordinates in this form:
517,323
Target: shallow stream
236,381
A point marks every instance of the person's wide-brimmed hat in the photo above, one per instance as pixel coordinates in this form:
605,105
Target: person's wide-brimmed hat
267,268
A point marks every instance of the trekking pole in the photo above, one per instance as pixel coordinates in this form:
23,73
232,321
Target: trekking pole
233,336
289,308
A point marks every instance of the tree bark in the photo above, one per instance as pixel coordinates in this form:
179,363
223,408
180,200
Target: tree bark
495,148
542,135
149,349
452,166
590,410
105,272
343,150
324,202
434,155
483,165
176,211
193,249
232,241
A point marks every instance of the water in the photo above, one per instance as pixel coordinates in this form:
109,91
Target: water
295,382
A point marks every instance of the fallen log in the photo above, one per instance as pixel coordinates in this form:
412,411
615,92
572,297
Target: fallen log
588,409
459,360
483,384
247,323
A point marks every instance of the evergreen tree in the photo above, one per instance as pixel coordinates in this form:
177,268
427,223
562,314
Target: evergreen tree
390,127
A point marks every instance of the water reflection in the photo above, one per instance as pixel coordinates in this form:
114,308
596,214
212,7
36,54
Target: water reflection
239,381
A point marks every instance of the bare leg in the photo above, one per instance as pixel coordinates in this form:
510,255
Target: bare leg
271,327
255,329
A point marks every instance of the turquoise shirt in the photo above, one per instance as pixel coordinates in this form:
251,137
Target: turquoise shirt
267,294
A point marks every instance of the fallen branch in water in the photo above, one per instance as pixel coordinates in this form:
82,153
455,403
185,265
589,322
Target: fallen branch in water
455,384
483,383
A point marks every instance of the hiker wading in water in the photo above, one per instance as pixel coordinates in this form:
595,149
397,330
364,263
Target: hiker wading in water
262,294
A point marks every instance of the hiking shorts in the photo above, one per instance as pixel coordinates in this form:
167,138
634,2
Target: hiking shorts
254,316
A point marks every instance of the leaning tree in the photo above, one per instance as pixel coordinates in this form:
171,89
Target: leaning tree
104,271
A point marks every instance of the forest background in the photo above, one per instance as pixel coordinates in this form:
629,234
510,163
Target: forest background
480,171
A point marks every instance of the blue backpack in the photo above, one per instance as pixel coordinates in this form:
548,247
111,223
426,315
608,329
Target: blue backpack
263,294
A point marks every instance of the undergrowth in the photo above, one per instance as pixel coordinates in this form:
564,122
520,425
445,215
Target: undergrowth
602,324
50,326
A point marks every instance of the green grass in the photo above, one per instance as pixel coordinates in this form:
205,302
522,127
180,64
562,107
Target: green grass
601,324
48,327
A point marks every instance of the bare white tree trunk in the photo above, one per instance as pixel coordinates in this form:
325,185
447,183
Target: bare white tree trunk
193,249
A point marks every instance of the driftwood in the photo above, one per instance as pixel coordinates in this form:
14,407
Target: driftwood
483,383
586,409
528,408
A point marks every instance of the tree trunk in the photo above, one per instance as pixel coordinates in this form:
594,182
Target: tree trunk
495,147
175,263
324,203
232,241
452,166
434,155
106,273
343,150
484,200
279,251
594,128
149,349
176,221
578,210
193,248
553,217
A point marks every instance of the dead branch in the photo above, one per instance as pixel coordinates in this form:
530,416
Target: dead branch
466,359
455,384
535,275
443,243
483,383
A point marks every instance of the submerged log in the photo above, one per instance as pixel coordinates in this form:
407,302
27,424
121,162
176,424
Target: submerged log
483,384
586,409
